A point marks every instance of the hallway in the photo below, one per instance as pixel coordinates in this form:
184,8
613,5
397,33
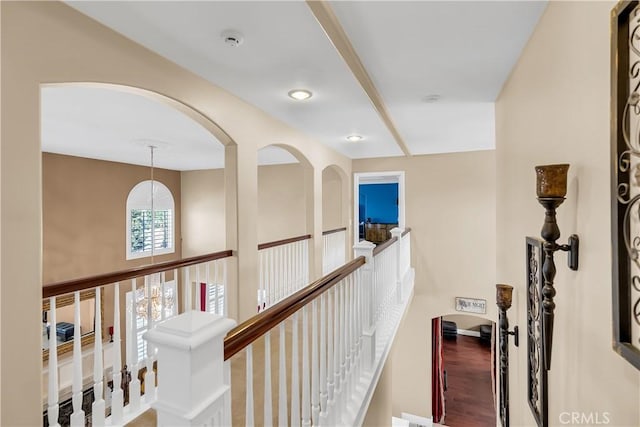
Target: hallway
469,397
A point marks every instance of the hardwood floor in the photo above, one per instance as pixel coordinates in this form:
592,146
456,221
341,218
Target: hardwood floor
469,395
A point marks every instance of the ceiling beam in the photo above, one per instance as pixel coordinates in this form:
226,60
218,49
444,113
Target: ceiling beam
336,34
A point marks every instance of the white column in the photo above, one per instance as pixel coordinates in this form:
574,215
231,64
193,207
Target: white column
365,248
191,393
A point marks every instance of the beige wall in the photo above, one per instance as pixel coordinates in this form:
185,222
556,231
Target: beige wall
282,209
450,207
379,411
555,109
48,42
84,215
203,212
332,214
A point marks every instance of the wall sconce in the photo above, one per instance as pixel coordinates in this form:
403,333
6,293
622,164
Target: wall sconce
551,187
503,300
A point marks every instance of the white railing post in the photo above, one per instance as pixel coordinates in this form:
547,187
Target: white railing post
365,248
53,408
190,392
397,233
98,406
77,418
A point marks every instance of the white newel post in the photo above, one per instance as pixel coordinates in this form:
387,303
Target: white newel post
365,248
193,386
397,233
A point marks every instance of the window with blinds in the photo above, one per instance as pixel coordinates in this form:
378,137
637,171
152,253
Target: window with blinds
148,232
150,220
216,299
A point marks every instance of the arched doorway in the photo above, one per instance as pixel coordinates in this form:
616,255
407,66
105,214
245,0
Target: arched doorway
335,219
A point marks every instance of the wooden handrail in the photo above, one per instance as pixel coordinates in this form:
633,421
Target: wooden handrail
335,230
268,245
382,246
68,286
406,231
252,329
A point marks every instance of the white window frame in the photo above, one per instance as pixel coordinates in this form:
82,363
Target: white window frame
139,198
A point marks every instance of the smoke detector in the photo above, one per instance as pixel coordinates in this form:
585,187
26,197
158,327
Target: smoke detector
232,38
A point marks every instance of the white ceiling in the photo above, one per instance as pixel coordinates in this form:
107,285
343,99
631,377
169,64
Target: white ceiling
462,51
118,126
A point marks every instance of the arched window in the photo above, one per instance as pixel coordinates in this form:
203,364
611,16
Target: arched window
150,225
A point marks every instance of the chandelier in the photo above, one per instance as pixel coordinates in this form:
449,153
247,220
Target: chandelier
151,301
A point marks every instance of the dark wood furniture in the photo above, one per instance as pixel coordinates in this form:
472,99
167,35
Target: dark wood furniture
377,232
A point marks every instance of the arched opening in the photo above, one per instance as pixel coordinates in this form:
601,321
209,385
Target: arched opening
95,145
335,218
285,223
129,178
463,370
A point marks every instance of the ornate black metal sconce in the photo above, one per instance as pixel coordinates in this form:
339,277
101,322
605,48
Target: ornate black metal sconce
503,300
551,187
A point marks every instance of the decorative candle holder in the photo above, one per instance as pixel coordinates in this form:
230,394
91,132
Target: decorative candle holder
503,301
551,187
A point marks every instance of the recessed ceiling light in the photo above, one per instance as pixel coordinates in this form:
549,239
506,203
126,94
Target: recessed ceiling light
300,94
434,97
354,138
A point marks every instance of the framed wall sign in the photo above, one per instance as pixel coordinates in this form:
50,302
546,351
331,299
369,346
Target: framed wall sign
625,179
471,305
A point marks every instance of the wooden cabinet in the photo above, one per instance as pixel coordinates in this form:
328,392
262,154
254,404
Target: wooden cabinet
378,233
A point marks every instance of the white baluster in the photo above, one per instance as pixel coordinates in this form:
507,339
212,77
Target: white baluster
52,398
117,397
268,405
359,322
305,259
249,422
330,357
306,404
207,283
282,381
343,341
149,376
216,288
224,288
348,334
336,351
261,279
134,385
98,406
176,300
198,289
295,378
315,390
188,295
354,331
162,294
77,418
323,356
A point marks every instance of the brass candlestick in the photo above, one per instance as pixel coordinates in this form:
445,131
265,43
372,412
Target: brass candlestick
551,187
